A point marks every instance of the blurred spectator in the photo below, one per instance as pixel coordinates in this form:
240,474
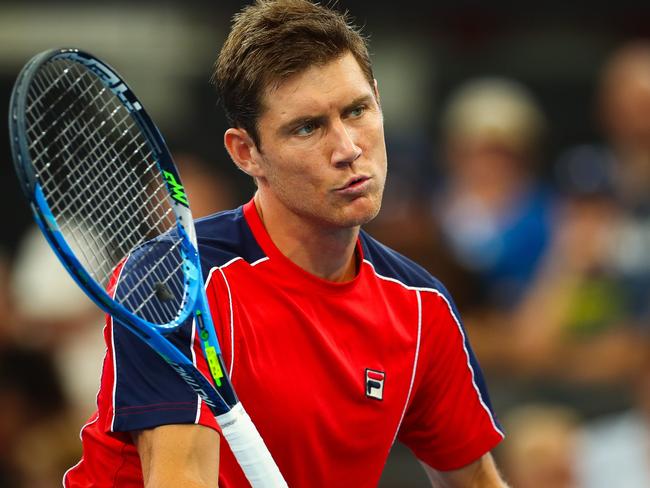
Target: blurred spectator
615,451
490,219
494,213
36,440
624,110
624,101
540,450
581,305
585,321
52,313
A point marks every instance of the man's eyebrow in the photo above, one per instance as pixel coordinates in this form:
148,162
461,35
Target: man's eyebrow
301,120
361,100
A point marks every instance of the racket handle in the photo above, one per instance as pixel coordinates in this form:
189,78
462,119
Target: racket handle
249,449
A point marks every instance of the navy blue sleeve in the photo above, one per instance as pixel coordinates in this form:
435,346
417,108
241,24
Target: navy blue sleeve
147,391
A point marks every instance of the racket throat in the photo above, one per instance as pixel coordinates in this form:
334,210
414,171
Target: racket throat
213,362
213,357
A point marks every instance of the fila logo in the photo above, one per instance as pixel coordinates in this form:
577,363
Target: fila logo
375,384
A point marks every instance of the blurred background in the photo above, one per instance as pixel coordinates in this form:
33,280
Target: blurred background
519,154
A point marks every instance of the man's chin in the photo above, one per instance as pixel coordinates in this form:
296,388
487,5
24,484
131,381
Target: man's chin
360,216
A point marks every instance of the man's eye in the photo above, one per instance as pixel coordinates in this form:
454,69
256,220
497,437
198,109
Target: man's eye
358,111
306,129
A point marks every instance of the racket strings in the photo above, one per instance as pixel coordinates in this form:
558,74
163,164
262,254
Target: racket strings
33,104
86,209
159,206
58,198
67,141
76,120
104,188
161,264
55,123
83,212
82,215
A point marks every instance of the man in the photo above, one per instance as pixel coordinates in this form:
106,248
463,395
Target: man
335,344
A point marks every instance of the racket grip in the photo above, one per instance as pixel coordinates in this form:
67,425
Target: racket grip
249,449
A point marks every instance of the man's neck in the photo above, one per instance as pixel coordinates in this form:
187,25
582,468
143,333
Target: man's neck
326,252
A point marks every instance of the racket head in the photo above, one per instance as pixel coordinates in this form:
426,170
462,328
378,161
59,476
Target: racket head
103,187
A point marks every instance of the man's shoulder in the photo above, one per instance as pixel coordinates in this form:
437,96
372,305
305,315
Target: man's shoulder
225,236
390,264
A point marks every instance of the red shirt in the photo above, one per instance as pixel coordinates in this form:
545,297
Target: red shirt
330,373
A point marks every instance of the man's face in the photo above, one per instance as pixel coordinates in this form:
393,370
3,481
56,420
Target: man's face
322,155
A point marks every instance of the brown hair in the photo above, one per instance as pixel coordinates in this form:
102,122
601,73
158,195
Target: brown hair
273,40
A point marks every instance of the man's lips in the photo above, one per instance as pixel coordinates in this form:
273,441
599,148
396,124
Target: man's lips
353,182
355,185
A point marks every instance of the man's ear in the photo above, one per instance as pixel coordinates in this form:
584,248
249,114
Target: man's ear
243,151
376,88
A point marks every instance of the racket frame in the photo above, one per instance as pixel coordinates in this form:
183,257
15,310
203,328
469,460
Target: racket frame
150,332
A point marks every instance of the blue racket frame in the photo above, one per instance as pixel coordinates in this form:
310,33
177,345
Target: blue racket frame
218,395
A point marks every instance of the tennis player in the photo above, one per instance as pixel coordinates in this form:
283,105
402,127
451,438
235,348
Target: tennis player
336,344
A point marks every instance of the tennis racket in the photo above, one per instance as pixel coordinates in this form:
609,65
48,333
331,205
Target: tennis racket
104,191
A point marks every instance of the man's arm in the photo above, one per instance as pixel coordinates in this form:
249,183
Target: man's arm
184,455
482,473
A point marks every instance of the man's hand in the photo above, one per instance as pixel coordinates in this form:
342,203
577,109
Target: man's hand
179,455
482,473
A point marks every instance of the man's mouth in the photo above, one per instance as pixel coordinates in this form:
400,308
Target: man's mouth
357,183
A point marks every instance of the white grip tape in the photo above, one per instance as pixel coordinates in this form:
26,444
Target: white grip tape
249,449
